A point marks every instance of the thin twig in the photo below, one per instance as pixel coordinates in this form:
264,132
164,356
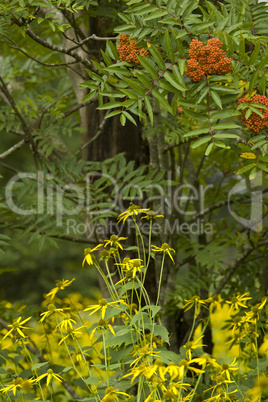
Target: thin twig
12,149
60,49
26,129
16,47
79,106
99,132
8,167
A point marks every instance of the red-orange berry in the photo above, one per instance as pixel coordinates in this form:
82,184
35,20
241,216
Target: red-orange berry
207,59
255,122
128,49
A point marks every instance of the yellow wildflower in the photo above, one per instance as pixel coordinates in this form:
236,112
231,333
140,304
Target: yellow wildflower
238,301
17,327
164,249
60,285
18,383
49,375
192,345
131,211
89,258
102,305
115,241
111,395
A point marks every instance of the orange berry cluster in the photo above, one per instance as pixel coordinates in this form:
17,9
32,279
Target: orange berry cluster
128,49
207,59
255,122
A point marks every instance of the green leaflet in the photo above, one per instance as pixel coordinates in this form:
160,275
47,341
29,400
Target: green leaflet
157,57
202,141
197,132
216,98
246,168
148,67
149,109
162,100
172,80
209,148
169,47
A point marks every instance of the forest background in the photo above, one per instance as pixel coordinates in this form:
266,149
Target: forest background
120,107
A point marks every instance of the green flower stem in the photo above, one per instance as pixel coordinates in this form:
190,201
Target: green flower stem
142,242
105,359
35,372
196,385
70,357
104,278
149,247
193,326
160,279
111,280
137,237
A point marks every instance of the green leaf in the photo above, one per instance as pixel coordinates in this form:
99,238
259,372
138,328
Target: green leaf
197,131
148,67
202,141
263,167
209,148
216,98
223,135
37,366
137,87
157,57
168,47
113,113
162,100
170,78
262,63
92,380
224,114
248,113
221,144
259,144
253,173
129,117
123,119
149,109
252,81
246,168
111,50
89,96
254,54
203,94
224,126
161,331
110,105
155,14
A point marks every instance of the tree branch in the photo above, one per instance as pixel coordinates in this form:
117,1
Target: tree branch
60,49
42,233
11,168
80,105
100,130
26,129
91,37
42,62
12,149
237,264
